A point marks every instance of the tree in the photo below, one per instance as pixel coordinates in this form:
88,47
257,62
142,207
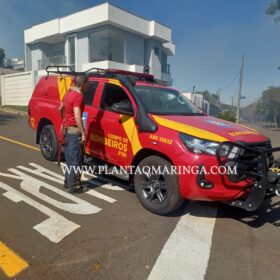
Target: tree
210,97
273,10
268,106
2,57
227,115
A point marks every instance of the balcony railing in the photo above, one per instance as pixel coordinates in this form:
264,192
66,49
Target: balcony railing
165,68
55,60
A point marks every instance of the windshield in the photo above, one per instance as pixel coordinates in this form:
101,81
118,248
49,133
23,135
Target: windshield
164,101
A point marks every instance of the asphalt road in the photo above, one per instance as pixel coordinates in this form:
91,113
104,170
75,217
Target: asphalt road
45,233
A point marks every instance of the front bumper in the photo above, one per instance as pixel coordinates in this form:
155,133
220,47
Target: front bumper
256,164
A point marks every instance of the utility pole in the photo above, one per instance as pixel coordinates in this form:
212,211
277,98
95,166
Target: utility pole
232,109
239,91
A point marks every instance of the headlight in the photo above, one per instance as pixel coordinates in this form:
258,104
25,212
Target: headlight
230,151
199,146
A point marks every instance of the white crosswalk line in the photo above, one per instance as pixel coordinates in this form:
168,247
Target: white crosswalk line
55,227
107,183
186,253
55,177
101,196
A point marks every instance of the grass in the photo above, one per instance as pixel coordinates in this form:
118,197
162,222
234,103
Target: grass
19,108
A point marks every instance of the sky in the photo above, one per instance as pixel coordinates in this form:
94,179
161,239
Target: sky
210,38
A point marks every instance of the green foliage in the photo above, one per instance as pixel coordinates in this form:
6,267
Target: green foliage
227,115
2,56
268,107
273,10
210,97
19,108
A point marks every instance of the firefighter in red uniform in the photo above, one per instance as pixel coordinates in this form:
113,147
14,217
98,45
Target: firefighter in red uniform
74,133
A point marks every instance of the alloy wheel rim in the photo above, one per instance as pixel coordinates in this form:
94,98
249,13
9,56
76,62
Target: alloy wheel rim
47,143
154,188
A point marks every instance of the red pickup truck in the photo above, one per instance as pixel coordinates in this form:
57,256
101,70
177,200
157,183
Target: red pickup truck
133,121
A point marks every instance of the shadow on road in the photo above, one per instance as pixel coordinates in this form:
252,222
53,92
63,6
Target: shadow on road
268,213
5,119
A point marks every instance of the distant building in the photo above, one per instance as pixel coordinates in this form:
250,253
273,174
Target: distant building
14,63
104,36
188,95
199,101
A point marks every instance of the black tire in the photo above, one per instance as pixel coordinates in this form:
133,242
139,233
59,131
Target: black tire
49,143
157,193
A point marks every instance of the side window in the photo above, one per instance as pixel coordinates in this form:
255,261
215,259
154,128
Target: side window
112,94
90,92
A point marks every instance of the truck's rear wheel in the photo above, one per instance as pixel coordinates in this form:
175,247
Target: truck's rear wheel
159,193
49,143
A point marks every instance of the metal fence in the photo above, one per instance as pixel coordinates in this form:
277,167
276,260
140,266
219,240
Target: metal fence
55,60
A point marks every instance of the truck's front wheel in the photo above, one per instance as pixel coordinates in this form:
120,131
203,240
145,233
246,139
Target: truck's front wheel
156,188
49,143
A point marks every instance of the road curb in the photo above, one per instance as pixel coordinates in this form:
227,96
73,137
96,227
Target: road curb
13,111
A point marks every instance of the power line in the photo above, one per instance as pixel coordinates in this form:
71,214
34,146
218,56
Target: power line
237,87
237,75
233,96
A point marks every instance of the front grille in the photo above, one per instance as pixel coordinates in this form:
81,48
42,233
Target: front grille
252,156
248,162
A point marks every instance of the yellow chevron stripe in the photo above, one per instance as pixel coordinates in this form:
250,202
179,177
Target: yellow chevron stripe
191,130
10,263
63,84
115,82
131,133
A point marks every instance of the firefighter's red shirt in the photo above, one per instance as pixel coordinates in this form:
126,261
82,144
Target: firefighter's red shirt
71,100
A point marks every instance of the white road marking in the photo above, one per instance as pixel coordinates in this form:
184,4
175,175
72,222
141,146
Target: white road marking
186,253
108,183
33,186
55,177
55,228
40,170
101,196
108,186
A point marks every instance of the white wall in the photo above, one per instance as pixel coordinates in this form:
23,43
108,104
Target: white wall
151,59
36,54
106,64
41,31
28,60
96,16
82,49
16,89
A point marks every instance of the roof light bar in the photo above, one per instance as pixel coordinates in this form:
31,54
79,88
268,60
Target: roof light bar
59,69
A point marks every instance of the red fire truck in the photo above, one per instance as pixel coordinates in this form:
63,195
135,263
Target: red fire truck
132,120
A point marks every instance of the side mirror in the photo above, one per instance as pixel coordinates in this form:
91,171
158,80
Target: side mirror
123,107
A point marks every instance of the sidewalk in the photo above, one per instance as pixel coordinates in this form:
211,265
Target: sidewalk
13,111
